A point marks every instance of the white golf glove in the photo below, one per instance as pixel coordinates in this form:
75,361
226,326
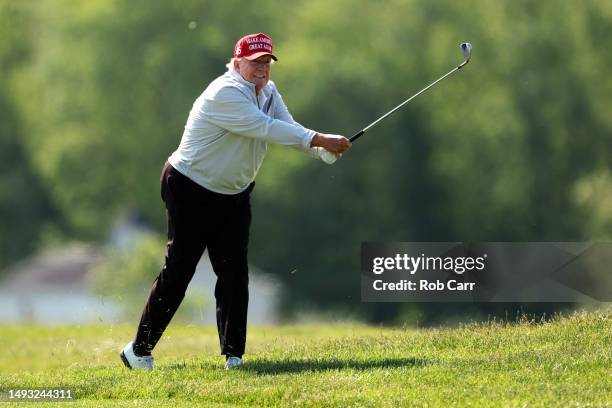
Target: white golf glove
326,156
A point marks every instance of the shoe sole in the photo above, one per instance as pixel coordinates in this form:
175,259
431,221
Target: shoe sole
124,359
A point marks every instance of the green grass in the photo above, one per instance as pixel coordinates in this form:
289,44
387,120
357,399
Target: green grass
564,362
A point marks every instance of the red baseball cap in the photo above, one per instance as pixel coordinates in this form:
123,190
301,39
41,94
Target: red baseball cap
253,46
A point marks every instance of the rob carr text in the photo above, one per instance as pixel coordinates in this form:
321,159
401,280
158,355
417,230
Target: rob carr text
423,285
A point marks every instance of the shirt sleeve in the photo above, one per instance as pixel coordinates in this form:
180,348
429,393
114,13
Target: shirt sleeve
230,109
282,113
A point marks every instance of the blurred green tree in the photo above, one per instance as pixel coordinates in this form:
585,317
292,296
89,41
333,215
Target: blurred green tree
26,207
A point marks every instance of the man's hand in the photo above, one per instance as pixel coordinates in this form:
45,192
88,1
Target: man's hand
335,144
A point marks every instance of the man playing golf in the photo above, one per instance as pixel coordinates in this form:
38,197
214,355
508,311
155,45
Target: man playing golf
206,185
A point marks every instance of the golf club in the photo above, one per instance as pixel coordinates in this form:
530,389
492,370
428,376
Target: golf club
466,50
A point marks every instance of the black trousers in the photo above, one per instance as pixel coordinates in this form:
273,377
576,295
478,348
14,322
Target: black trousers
198,219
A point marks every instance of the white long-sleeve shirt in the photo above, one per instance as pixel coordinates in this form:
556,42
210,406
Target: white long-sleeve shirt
226,135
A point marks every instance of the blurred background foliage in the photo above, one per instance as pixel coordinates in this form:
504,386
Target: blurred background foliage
135,264
516,147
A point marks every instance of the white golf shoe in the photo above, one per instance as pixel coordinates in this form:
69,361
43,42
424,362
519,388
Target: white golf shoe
233,362
132,361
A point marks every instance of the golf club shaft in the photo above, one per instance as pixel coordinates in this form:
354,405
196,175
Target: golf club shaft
361,132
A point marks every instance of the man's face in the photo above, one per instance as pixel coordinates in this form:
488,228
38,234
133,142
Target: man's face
256,71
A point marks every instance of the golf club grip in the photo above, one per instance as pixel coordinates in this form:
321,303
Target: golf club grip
357,136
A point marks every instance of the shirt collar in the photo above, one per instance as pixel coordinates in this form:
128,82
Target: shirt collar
236,75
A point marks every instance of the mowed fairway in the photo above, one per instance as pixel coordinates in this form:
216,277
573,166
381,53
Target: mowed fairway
565,362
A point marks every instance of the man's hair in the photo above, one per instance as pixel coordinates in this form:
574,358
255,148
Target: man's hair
230,64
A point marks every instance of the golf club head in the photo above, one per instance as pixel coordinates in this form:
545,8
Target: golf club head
466,50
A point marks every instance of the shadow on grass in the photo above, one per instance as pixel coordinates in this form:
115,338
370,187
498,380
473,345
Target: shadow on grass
266,367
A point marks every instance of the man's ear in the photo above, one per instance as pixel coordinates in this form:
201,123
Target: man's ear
237,65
